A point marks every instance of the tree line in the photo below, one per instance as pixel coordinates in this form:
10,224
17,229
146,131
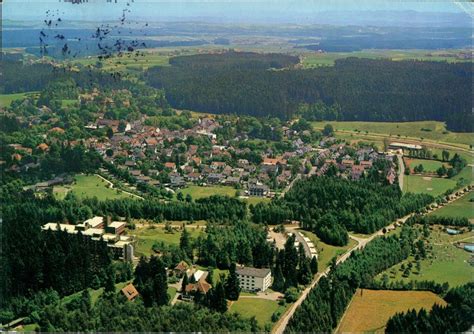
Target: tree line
353,89
457,316
439,220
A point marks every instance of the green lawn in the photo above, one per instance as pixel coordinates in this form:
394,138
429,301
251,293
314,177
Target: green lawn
89,186
460,208
467,173
6,99
146,237
197,192
428,165
327,252
171,292
261,309
68,103
445,263
407,130
430,185
255,200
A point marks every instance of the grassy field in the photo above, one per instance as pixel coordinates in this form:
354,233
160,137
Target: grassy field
430,185
311,60
327,252
255,200
68,103
444,263
6,99
146,237
89,186
428,130
428,165
261,309
370,310
462,207
197,192
467,173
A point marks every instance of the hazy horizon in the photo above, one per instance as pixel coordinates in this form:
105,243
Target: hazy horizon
285,11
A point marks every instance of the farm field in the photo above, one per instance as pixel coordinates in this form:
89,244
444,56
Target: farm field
462,207
445,263
197,192
147,236
89,186
430,185
261,309
327,252
429,130
428,165
370,310
314,59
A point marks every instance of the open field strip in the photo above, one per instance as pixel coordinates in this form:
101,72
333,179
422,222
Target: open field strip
430,131
148,236
463,207
370,310
89,186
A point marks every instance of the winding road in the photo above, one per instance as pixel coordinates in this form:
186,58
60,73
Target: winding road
280,326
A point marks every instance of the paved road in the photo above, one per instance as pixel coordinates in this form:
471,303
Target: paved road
288,187
280,326
361,242
401,171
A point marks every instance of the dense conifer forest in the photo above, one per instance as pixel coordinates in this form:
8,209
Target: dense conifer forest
364,89
332,206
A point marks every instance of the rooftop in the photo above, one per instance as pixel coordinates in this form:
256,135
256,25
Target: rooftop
256,272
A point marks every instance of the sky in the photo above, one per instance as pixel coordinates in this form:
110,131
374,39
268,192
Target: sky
230,10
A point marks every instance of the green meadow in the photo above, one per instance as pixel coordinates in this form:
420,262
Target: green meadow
88,186
444,263
430,185
426,130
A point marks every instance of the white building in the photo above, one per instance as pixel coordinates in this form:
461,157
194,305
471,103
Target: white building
254,279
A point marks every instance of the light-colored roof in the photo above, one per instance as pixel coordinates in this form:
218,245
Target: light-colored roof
116,224
94,221
93,231
109,236
198,275
255,272
54,227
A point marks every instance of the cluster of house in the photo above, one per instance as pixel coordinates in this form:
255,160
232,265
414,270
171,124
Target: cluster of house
352,165
101,229
137,142
250,279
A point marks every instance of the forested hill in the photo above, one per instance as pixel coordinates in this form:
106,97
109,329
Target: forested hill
365,89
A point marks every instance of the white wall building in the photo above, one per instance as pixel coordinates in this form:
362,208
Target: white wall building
254,279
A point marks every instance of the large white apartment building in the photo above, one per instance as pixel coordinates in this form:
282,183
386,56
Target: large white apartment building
254,279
